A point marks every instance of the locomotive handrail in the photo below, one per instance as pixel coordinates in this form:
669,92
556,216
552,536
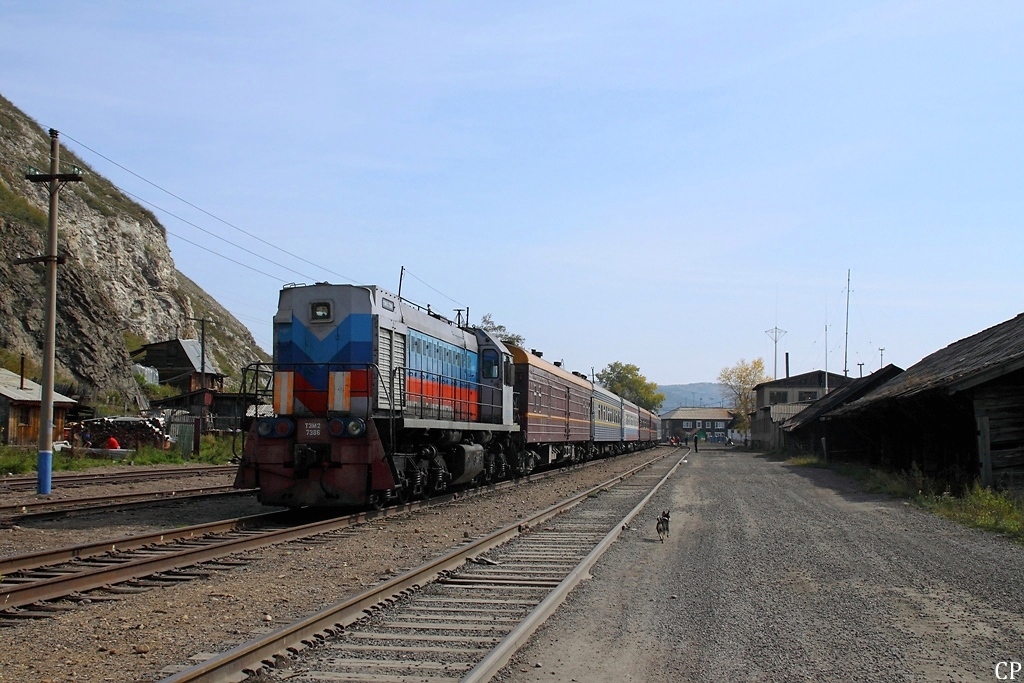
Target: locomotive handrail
460,402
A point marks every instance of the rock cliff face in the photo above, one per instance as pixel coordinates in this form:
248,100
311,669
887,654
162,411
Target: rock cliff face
118,286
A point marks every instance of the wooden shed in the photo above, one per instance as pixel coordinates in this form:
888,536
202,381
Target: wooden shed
180,363
809,432
958,413
20,407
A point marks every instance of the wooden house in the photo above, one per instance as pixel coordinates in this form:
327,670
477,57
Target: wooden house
20,408
803,389
711,424
179,363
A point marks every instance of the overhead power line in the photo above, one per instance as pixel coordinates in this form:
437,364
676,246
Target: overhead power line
408,272
216,218
213,234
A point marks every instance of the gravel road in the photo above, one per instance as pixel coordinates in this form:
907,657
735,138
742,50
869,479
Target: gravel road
779,573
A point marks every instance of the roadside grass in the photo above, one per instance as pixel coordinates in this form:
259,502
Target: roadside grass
212,451
978,507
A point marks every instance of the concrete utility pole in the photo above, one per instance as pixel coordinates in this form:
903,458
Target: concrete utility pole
881,357
861,366
44,466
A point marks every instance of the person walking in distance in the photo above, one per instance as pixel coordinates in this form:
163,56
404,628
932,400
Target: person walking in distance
696,438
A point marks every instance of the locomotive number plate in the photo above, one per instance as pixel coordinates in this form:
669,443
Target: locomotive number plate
313,431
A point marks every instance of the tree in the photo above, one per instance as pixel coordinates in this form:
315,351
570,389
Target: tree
626,381
499,331
740,380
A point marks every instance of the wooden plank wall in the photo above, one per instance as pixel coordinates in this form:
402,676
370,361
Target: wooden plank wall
999,410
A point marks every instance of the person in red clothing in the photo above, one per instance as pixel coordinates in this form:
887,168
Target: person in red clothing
112,443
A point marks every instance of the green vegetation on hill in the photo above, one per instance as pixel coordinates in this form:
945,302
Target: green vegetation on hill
16,208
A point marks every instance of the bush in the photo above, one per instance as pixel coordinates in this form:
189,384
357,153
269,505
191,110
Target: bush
978,507
212,451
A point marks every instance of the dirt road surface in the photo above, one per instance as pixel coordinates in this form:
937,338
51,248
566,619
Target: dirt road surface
778,573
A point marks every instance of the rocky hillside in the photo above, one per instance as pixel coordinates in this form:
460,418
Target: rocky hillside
119,286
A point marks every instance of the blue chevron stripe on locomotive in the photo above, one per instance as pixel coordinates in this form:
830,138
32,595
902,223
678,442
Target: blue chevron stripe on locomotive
350,342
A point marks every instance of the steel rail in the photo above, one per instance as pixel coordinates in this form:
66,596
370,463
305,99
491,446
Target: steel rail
67,584
500,655
234,664
89,478
20,595
94,502
45,558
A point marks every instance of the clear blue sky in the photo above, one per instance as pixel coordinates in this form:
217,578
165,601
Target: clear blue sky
655,183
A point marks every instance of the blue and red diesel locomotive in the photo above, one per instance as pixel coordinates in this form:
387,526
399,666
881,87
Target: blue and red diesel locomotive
372,399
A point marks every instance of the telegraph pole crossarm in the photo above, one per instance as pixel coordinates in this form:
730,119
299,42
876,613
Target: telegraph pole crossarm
57,180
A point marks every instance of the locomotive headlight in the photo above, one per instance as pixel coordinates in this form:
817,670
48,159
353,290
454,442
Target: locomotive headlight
355,427
283,428
348,427
275,428
336,427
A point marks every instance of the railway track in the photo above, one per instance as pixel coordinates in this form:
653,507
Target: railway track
458,618
29,483
42,509
30,584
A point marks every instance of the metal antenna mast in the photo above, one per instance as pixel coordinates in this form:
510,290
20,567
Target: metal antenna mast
776,334
846,342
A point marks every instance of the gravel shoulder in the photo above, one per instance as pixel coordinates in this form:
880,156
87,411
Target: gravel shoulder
779,573
138,637
85,527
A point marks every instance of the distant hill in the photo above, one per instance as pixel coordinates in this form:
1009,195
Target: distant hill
694,395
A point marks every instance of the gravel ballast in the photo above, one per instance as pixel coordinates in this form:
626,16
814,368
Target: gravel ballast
141,637
779,573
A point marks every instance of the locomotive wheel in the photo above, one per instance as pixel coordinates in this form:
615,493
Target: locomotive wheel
404,494
377,500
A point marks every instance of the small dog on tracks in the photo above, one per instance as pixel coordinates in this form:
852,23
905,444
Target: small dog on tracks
662,526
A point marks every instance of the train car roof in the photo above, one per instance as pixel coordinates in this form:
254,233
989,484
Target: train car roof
605,392
520,355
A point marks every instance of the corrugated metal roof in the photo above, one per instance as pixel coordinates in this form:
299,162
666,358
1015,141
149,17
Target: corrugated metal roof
194,350
859,387
10,387
698,414
780,412
965,363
